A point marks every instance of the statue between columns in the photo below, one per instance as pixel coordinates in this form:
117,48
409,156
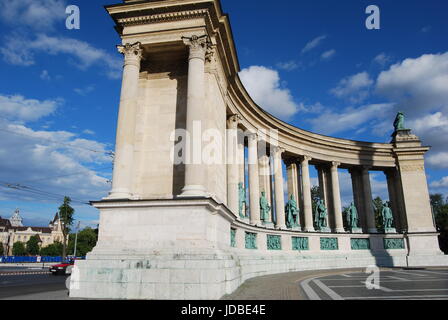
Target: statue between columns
241,200
320,217
352,218
265,208
388,218
292,214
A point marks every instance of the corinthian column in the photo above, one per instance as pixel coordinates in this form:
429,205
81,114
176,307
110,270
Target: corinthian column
337,207
254,181
278,185
232,163
368,201
124,146
306,189
194,168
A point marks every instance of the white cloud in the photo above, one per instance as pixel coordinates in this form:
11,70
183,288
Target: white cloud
21,51
263,84
288,66
328,54
382,59
348,119
354,87
313,43
442,183
84,91
19,108
36,14
89,132
418,85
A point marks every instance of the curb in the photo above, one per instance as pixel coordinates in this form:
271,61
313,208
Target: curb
13,273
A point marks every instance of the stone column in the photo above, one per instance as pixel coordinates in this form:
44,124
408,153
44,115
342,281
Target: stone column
293,180
265,178
254,181
278,186
337,206
368,201
232,164
242,162
306,189
358,197
195,171
124,146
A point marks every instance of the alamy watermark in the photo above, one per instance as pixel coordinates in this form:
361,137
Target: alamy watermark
73,20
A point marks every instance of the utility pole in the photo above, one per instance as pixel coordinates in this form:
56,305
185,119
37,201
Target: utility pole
76,239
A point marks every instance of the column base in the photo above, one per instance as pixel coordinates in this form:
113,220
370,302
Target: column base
309,229
356,230
118,194
193,191
340,230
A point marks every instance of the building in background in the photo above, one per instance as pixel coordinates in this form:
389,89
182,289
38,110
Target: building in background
12,230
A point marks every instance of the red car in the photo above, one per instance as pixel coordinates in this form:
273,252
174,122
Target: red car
62,268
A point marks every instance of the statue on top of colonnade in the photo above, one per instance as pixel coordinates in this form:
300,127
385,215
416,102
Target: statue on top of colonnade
292,213
399,122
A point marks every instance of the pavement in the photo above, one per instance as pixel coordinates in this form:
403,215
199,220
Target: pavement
344,284
348,284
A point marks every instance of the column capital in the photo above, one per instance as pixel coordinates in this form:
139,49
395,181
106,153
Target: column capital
234,120
252,136
306,159
277,150
365,168
335,164
198,46
133,53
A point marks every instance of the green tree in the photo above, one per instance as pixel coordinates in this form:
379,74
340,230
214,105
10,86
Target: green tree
66,213
87,239
440,211
32,246
18,249
52,250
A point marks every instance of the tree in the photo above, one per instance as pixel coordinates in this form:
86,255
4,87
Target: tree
2,251
52,250
440,211
32,246
18,249
66,213
87,239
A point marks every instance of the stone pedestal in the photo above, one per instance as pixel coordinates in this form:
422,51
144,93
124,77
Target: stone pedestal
390,230
356,230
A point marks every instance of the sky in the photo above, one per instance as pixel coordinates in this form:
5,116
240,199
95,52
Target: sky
313,64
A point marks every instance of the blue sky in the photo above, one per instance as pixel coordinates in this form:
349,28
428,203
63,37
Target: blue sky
312,63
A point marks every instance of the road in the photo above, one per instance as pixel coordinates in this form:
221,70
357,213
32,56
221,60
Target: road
413,284
27,283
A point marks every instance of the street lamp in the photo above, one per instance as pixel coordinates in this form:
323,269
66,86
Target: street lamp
76,239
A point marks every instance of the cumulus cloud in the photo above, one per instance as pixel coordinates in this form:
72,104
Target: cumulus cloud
442,183
263,84
355,88
348,119
17,107
418,85
36,14
21,51
313,43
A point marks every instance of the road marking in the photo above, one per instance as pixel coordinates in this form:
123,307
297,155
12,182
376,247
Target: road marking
398,278
432,272
308,291
377,287
333,295
346,275
411,273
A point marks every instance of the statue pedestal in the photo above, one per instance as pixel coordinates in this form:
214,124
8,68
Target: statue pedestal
324,229
296,228
355,230
390,230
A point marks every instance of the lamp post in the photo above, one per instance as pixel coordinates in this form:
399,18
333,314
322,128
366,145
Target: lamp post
76,239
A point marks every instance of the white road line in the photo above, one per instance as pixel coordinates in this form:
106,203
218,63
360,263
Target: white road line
308,291
353,286
432,272
346,275
333,295
377,288
411,273
398,278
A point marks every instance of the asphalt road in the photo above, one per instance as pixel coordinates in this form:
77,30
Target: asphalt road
26,284
413,284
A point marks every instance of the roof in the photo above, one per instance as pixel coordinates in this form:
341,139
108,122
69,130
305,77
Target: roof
5,223
36,229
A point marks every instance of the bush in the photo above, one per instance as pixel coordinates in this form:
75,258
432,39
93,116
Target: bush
53,250
18,249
